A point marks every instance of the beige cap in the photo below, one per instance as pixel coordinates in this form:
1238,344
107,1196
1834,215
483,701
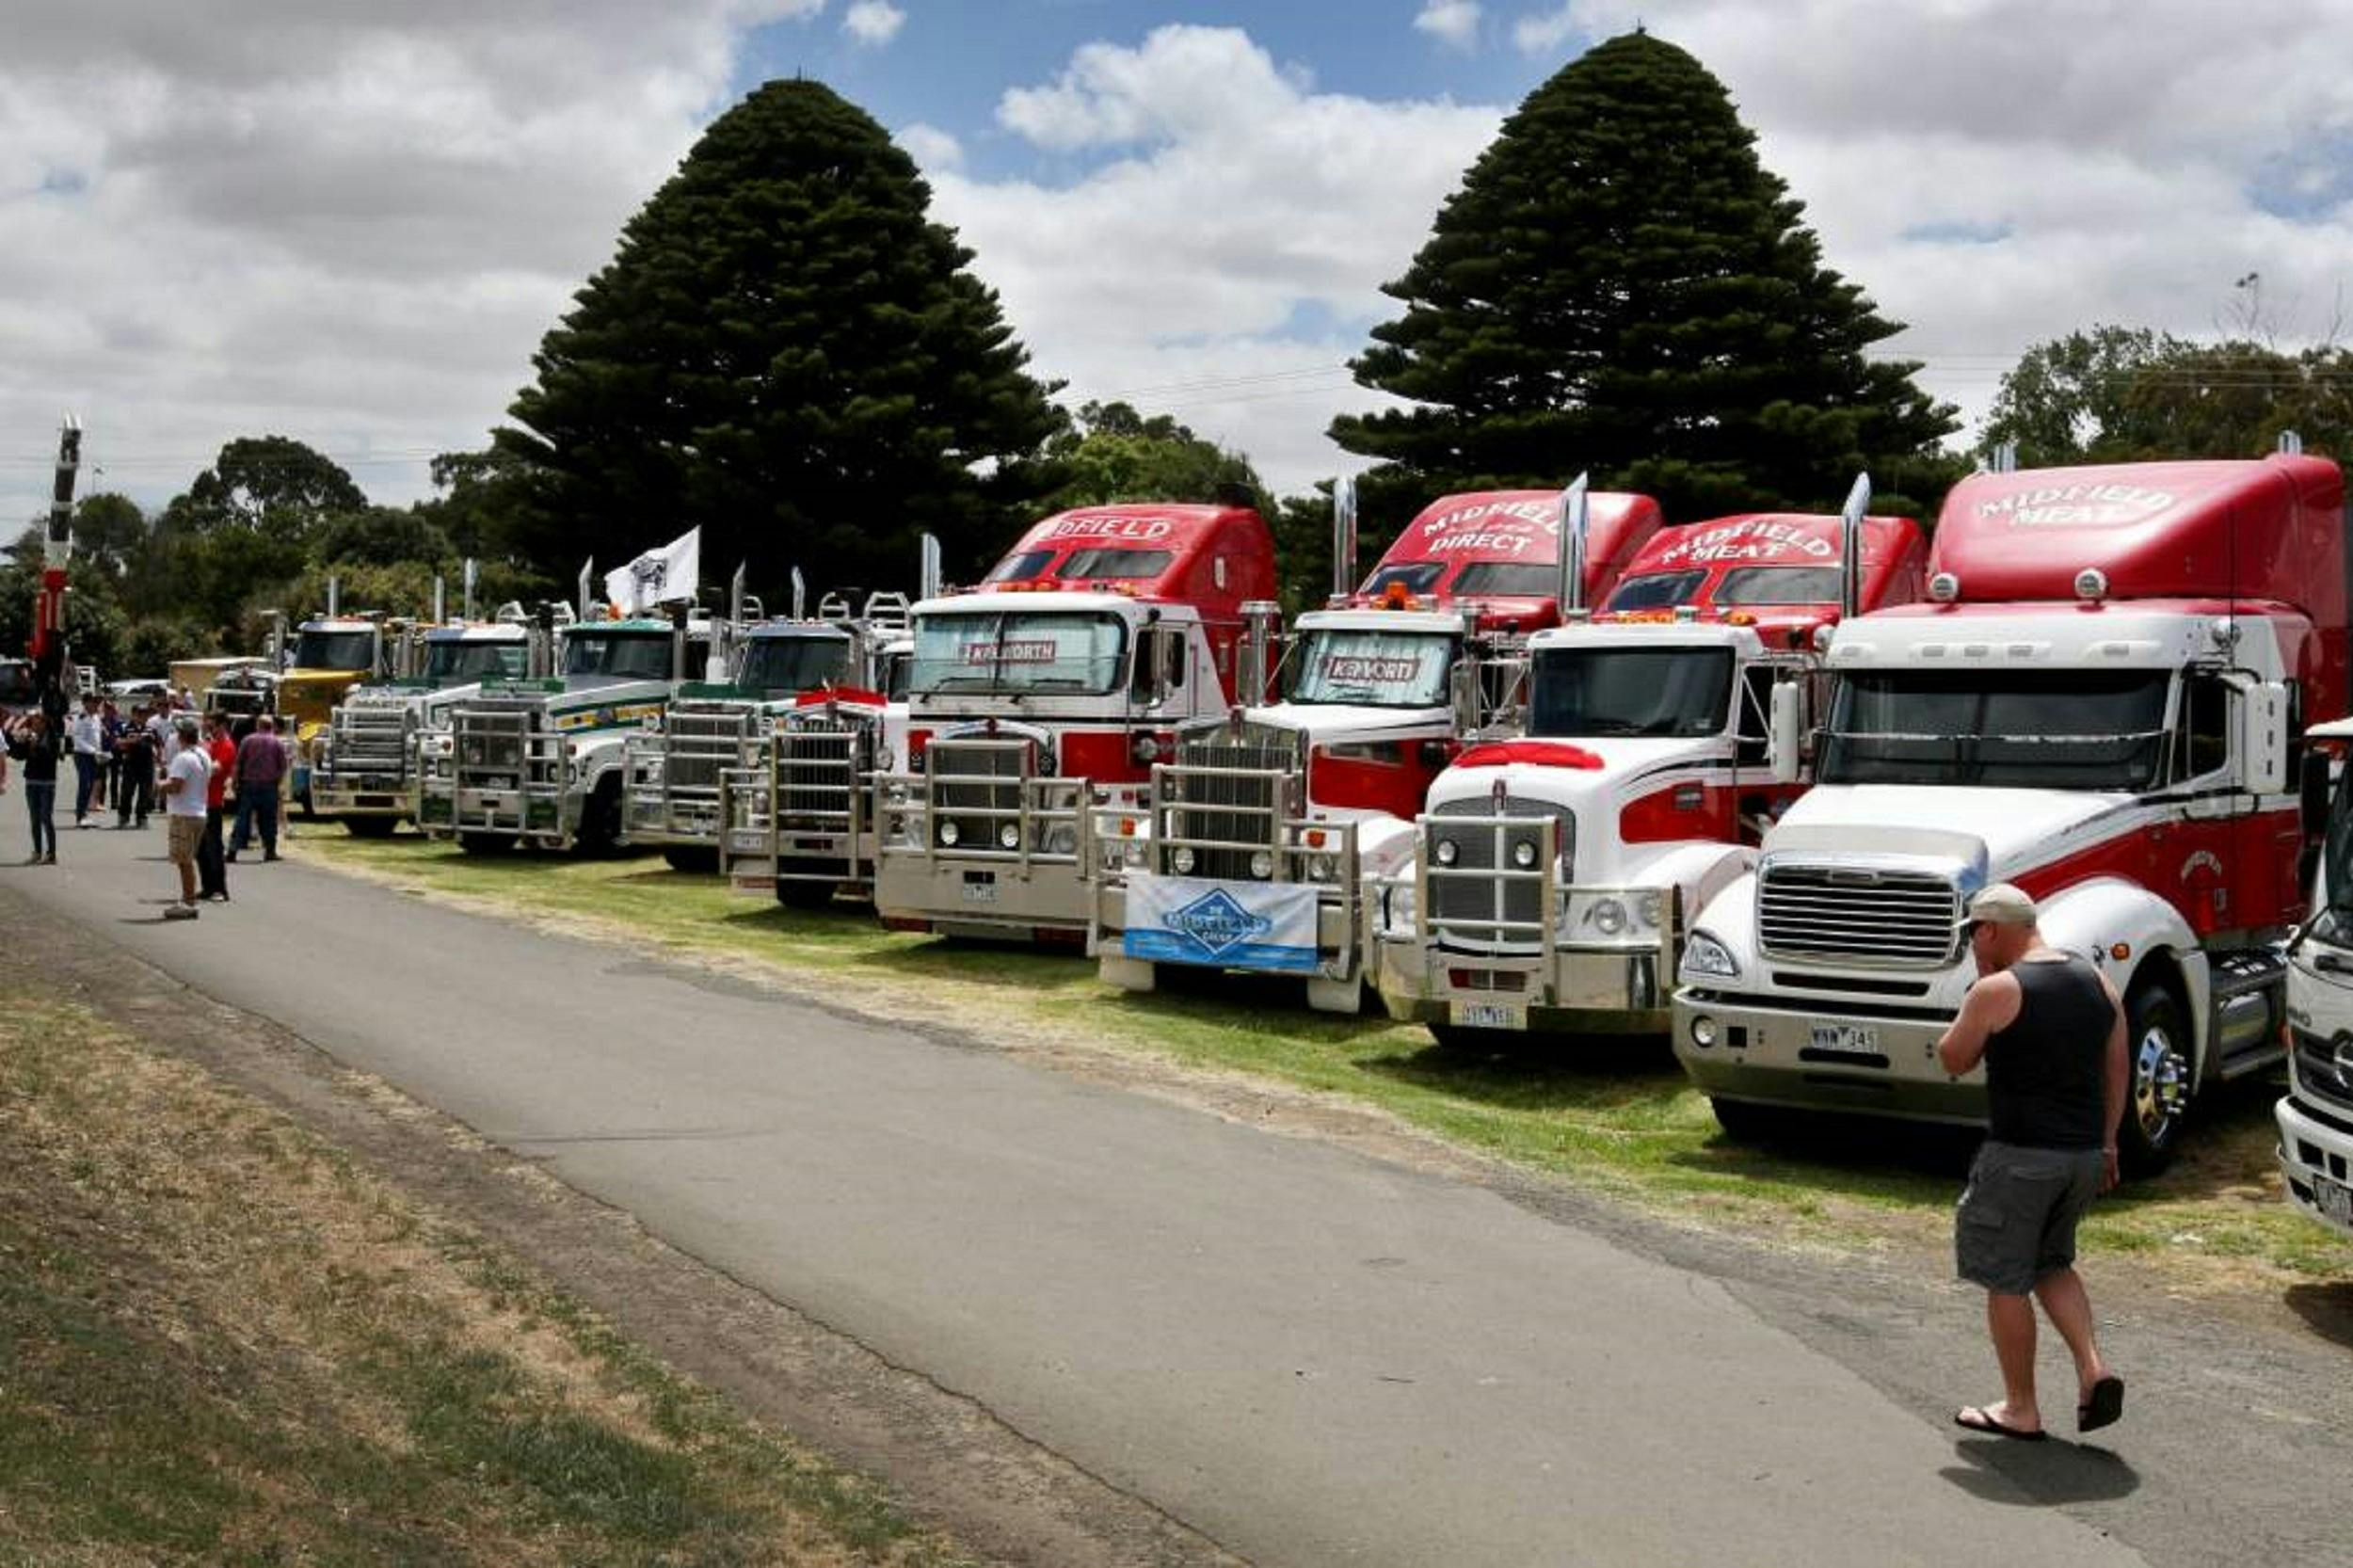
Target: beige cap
2002,903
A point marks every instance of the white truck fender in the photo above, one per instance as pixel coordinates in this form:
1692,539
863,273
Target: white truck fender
1699,870
2097,918
1385,846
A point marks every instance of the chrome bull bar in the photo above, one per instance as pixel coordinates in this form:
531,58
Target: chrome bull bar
984,785
501,775
672,777
824,832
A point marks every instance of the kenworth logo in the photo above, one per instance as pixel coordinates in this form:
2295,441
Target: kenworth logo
1217,922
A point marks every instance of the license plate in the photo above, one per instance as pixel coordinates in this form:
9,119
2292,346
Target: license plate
1488,1014
2333,1199
979,892
1847,1039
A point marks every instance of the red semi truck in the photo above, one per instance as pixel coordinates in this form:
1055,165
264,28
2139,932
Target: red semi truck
1265,827
2102,703
1055,684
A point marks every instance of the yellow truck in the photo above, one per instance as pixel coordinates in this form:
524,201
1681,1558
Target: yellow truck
332,655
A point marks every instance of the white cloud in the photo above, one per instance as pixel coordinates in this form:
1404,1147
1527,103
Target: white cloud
1226,262
872,22
933,149
1541,32
1452,22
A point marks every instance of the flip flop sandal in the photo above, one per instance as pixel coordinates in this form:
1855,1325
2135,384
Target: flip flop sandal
2105,1406
1974,1418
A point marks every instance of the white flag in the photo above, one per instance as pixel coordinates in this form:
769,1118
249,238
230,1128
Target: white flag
658,576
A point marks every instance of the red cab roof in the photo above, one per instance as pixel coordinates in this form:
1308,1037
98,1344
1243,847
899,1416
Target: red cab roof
1216,557
1776,570
1501,549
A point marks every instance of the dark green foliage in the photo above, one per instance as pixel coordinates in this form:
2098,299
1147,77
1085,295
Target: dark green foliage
1114,454
2123,395
1620,287
786,352
382,536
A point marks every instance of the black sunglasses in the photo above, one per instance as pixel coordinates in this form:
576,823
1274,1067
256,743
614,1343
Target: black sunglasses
1969,929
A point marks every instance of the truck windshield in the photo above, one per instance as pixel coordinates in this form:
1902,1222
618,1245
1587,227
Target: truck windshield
1655,590
793,663
316,649
1019,652
1779,585
1382,670
1415,577
637,655
453,663
2039,730
1507,579
1631,691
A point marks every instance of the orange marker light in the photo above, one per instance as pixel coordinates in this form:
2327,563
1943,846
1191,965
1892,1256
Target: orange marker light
2121,951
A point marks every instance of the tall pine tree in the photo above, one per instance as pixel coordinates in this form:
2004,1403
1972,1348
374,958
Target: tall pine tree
786,351
1620,286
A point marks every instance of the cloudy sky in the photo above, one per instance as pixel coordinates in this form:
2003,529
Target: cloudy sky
350,222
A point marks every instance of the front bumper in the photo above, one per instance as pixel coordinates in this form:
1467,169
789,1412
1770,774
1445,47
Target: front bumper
367,795
2316,1163
754,862
1563,990
668,822
1785,1052
981,895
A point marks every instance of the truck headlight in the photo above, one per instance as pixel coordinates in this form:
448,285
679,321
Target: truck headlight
1706,958
883,760
1262,865
1522,855
1445,853
1650,909
1010,836
1397,906
949,834
1181,857
1132,850
1606,916
1321,868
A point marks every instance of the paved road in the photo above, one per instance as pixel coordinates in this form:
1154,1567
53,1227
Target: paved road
1310,1356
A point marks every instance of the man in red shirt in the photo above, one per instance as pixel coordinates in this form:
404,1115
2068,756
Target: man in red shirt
212,866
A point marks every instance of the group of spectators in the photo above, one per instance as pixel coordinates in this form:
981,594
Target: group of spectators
193,768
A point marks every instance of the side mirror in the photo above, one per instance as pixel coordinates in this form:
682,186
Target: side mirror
1784,746
1463,695
2262,738
2313,788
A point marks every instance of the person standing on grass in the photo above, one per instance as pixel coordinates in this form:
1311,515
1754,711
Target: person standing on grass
88,732
184,813
212,864
261,767
2050,1030
32,743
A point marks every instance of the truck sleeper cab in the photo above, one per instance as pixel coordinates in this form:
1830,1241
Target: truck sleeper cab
539,761
1554,875
1053,687
2087,711
365,773
1264,831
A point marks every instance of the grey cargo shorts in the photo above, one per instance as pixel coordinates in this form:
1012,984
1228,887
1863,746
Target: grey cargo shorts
2017,1217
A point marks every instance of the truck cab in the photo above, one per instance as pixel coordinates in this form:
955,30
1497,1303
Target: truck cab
539,760
674,767
365,771
1267,825
1053,686
330,655
2100,703
2315,1116
1553,871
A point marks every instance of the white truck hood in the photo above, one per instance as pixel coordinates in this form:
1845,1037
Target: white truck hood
1347,721
1623,760
2012,830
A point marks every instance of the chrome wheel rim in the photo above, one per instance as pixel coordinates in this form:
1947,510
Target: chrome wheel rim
2160,1084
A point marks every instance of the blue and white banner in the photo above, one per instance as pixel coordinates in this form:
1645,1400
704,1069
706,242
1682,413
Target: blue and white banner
1229,925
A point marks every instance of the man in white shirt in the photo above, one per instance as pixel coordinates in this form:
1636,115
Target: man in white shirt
185,781
87,731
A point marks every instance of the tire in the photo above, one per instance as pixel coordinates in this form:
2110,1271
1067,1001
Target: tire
486,844
600,818
1747,1121
804,895
692,859
370,828
2160,1081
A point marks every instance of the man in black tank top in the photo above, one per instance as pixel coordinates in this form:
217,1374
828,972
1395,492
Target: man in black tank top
2050,1030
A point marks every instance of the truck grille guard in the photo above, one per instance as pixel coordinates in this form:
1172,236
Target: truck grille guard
823,769
369,745
672,777
495,748
979,800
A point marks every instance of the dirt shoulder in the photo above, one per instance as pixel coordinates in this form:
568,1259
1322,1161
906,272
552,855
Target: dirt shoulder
943,1460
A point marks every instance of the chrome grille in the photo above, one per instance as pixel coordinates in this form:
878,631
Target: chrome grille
818,763
372,738
977,785
1476,904
1241,811
2317,1077
697,743
1879,917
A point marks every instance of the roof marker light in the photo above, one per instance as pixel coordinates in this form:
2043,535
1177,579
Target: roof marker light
1943,587
2092,584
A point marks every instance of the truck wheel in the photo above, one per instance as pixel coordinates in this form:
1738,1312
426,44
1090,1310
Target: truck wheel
486,844
794,894
2159,1079
370,828
692,859
1747,1121
600,818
